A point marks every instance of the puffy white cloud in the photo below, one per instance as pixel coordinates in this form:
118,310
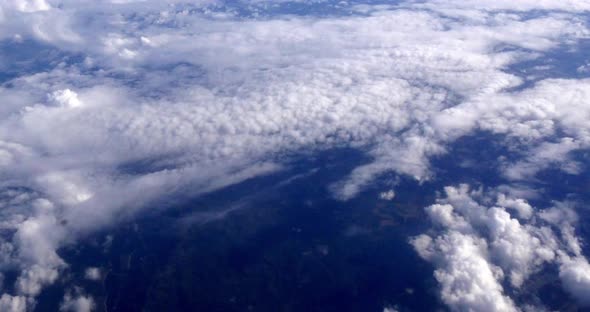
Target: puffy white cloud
79,303
524,209
518,249
583,69
37,239
475,247
92,274
469,282
10,303
66,98
575,276
32,280
387,195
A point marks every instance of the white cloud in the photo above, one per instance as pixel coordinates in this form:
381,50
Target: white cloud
521,5
25,5
32,280
77,304
400,84
476,247
575,276
10,303
92,274
387,195
469,282
521,206
66,98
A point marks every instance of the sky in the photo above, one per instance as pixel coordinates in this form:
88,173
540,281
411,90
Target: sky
109,106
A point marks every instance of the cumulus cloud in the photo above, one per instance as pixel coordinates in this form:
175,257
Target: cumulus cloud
79,303
66,98
521,206
92,274
468,280
575,275
476,247
10,303
180,100
387,195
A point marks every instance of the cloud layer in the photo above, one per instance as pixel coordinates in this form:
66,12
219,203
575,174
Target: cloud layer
160,98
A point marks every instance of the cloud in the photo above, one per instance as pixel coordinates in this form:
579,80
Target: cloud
575,275
66,98
77,304
92,274
524,5
387,195
475,248
10,303
155,99
468,280
25,5
521,206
